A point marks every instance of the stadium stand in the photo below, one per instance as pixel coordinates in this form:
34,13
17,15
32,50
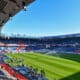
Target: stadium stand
44,45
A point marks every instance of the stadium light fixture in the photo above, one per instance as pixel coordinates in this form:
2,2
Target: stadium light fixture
24,8
10,16
24,5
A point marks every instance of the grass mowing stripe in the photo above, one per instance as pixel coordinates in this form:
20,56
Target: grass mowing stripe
51,57
32,63
47,70
62,60
57,63
37,61
62,68
58,70
49,74
46,62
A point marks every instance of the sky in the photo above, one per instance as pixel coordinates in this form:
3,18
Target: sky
46,18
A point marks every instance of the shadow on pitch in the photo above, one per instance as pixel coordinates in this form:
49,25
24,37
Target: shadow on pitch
75,76
74,57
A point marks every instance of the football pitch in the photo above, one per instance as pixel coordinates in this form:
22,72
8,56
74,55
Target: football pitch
56,68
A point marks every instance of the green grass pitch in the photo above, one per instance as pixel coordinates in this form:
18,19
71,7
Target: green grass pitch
55,67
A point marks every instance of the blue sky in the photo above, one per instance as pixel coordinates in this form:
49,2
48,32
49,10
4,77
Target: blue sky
46,18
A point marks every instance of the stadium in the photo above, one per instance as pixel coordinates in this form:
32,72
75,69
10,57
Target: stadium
36,58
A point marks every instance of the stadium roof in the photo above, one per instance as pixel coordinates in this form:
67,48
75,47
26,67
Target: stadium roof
8,8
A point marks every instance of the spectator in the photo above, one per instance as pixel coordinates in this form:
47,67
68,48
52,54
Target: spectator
42,73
